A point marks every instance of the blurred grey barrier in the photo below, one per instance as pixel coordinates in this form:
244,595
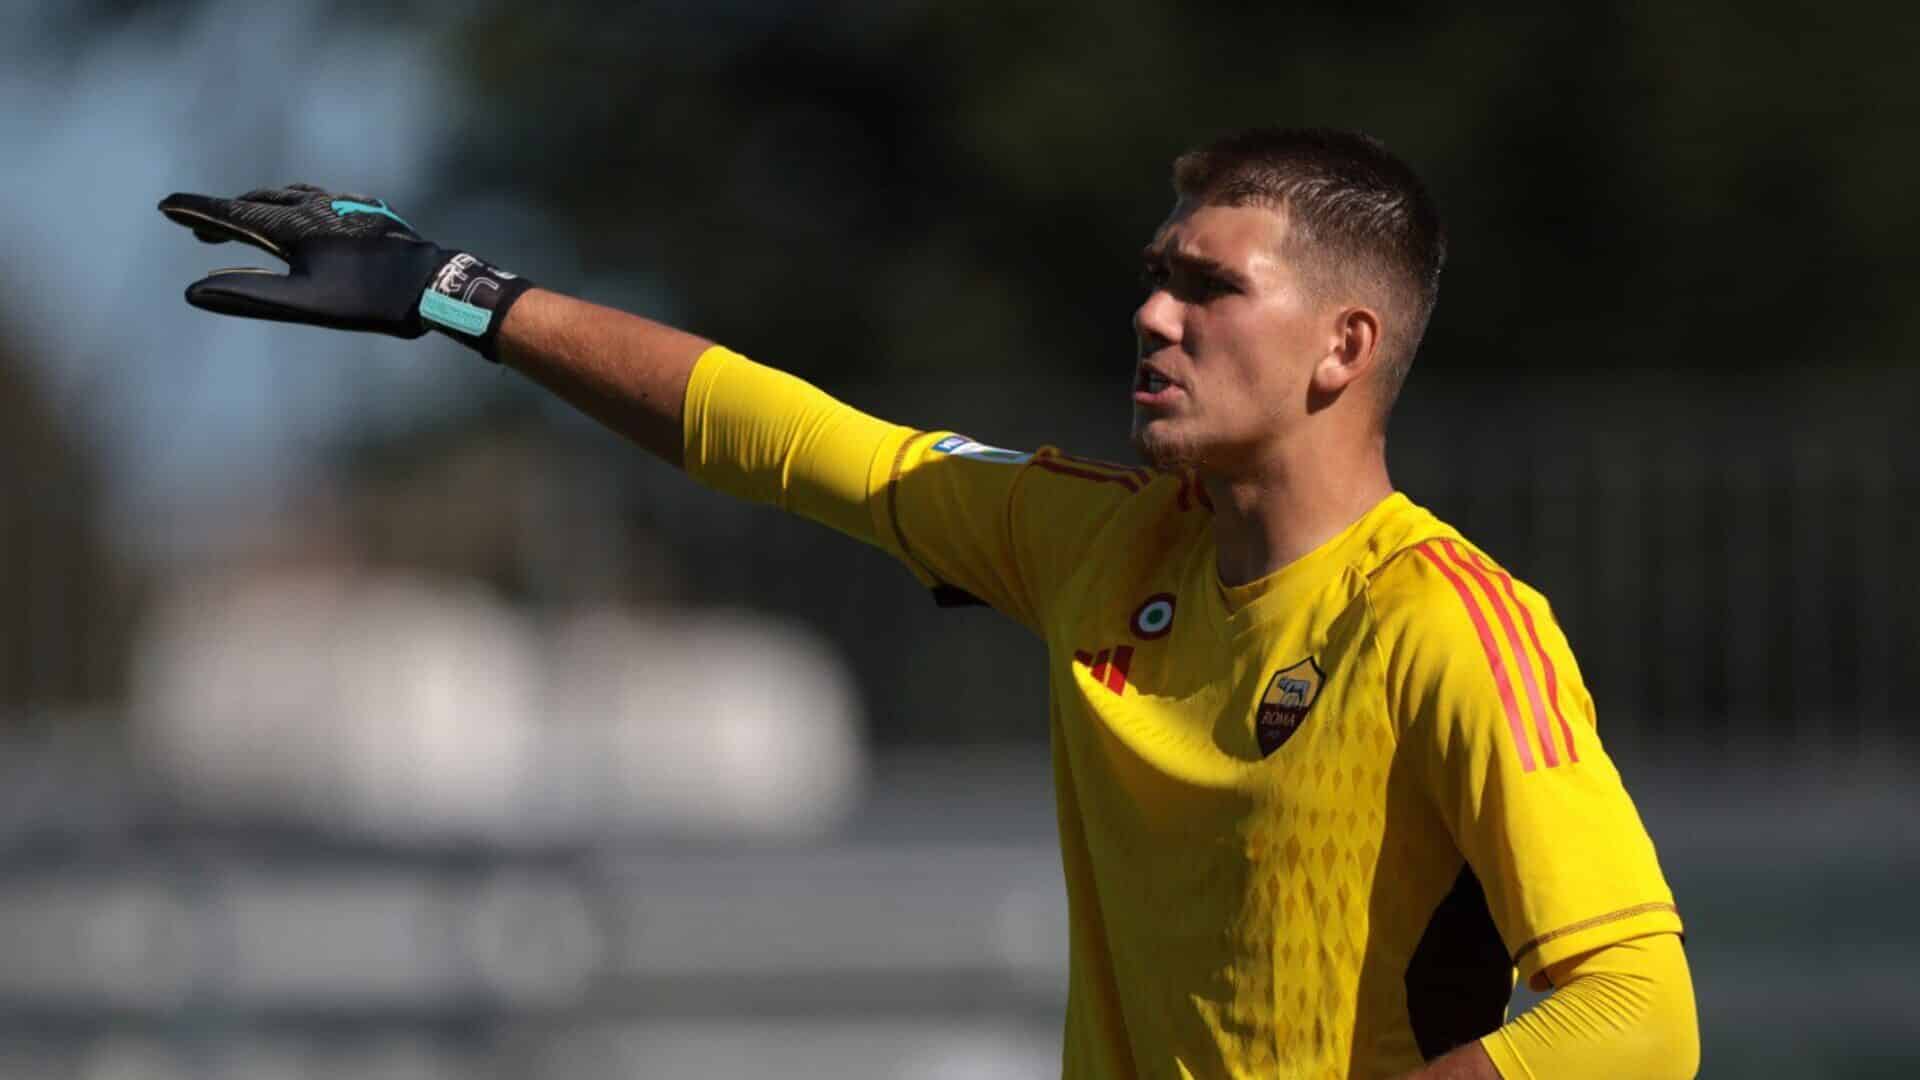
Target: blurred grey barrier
925,937
145,947
293,933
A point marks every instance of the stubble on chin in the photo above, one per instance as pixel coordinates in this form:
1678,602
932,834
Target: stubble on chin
1159,448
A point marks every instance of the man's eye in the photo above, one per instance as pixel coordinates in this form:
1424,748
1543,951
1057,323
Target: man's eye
1199,288
1186,285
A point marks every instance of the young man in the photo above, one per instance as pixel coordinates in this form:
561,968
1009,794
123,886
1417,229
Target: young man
1327,775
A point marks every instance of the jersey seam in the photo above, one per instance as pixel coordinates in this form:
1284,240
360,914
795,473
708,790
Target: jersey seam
1648,908
893,506
1379,654
1386,674
1015,550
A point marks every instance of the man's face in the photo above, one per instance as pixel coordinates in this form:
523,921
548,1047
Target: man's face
1227,339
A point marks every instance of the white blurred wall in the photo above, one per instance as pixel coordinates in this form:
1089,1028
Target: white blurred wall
423,711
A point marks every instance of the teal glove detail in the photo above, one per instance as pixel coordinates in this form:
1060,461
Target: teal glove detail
353,264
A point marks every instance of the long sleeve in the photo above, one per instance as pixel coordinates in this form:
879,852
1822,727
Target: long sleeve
761,434
1624,1010
1502,730
1002,526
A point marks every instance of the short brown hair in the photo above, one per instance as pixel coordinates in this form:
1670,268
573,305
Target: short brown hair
1359,215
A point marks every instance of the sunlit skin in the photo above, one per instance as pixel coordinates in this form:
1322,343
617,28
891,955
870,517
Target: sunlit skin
1271,398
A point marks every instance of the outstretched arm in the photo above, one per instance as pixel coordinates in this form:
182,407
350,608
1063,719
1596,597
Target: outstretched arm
1469,1062
940,503
628,372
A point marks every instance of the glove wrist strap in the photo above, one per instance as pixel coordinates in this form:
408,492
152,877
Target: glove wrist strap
467,300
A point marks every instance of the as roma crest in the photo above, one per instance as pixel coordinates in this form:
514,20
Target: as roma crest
1289,695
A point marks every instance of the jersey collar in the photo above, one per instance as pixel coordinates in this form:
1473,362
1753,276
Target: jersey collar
1362,546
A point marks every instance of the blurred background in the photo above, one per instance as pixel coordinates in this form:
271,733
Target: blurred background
365,714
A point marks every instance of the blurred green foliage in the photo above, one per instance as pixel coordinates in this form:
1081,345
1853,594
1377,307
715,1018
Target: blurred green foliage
870,187
871,193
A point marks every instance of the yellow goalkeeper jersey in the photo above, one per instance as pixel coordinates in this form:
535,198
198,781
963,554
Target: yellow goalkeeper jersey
1310,826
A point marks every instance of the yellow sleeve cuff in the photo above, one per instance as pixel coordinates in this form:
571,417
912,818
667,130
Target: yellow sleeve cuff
761,434
1587,935
1505,1060
897,456
1625,1010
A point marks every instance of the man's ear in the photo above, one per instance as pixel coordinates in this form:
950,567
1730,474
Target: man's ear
1354,346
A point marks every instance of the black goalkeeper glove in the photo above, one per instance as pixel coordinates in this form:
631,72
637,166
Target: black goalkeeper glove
353,264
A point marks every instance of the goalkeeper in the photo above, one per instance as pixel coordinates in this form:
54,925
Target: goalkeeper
1328,777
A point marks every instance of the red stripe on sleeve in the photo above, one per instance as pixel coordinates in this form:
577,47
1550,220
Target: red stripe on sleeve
1520,657
1085,474
1480,627
1117,676
1136,472
1108,468
1141,475
1546,662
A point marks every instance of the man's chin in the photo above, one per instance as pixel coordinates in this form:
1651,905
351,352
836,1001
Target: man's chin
1159,448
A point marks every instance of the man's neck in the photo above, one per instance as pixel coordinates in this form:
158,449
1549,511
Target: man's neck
1271,517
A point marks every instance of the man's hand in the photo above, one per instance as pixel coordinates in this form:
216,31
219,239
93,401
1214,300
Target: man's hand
353,264
1469,1062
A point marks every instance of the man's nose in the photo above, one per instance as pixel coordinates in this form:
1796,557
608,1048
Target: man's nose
1156,322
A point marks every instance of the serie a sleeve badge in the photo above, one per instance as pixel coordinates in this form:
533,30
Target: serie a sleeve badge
1290,693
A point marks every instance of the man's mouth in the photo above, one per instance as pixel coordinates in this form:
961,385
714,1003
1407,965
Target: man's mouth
1151,380
1152,387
